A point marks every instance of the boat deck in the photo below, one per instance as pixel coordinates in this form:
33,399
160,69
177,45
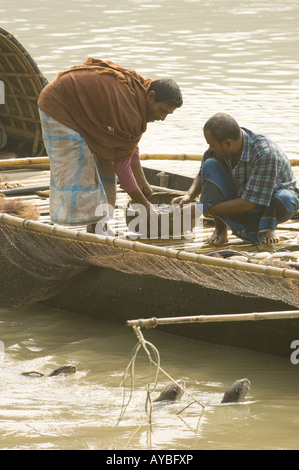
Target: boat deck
287,233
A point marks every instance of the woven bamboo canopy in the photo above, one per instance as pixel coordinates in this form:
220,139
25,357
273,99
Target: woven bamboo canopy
23,82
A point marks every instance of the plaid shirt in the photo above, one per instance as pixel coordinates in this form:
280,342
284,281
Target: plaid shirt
262,169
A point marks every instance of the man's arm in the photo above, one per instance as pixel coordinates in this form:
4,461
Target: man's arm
195,188
152,215
231,206
139,198
192,193
142,181
139,175
131,176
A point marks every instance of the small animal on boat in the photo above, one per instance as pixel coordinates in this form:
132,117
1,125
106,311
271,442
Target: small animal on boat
225,253
18,208
65,369
172,392
237,391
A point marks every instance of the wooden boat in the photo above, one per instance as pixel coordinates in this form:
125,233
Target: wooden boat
116,279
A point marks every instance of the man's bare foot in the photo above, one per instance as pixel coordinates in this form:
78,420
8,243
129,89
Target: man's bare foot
269,237
219,236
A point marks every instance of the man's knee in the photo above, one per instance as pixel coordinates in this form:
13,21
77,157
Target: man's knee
286,204
217,184
210,167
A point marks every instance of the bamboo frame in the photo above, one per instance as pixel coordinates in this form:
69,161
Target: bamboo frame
9,162
167,190
59,231
153,322
45,160
161,156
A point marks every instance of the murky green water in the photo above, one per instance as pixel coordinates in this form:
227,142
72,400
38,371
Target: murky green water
233,56
82,411
239,57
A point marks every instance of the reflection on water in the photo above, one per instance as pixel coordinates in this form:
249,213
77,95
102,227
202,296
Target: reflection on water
81,411
238,57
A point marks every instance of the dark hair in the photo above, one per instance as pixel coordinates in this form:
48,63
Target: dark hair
222,126
167,91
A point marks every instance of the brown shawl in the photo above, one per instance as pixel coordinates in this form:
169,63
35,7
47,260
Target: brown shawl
102,101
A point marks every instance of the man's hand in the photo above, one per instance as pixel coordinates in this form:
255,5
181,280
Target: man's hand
181,200
147,190
150,217
191,195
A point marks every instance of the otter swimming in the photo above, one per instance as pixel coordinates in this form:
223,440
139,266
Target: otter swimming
65,369
237,391
172,392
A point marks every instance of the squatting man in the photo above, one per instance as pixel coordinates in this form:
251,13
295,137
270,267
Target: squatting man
245,182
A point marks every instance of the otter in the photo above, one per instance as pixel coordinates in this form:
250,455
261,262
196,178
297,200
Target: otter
65,369
236,392
172,392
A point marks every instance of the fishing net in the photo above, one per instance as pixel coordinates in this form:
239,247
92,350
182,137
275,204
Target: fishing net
35,266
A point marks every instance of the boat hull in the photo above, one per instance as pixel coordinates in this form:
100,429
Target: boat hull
114,296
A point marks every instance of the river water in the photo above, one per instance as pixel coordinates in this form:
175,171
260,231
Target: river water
240,57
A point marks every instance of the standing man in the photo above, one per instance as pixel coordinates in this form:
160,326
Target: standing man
93,117
246,183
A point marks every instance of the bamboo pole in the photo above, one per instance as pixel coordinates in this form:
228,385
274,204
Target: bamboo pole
167,190
153,322
24,161
56,230
171,156
144,156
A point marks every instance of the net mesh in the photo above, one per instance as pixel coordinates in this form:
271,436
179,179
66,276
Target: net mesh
36,266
